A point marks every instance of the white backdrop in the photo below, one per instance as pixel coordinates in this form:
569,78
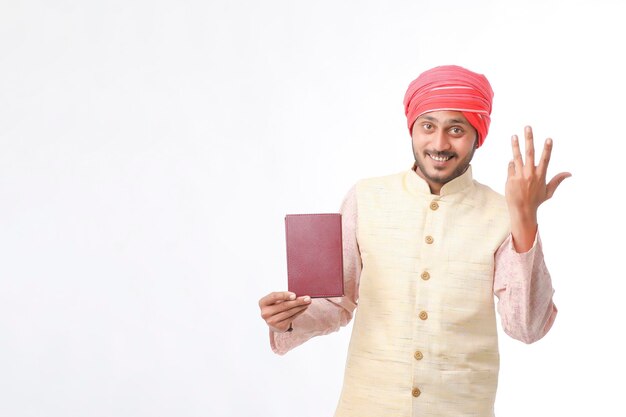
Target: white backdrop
149,151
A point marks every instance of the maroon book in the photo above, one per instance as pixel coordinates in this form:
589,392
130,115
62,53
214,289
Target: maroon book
314,254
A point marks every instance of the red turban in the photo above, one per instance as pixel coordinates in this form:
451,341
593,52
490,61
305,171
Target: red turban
451,87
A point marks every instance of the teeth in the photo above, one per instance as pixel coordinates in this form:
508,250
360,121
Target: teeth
440,158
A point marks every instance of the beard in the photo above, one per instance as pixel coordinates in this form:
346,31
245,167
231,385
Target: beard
438,176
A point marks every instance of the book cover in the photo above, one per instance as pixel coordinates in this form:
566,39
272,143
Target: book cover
314,254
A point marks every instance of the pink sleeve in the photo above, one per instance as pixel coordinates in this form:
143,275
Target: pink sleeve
523,286
327,315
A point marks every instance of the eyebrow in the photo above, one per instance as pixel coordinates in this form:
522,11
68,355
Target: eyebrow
448,121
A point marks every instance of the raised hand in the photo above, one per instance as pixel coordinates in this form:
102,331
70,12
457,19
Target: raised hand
526,188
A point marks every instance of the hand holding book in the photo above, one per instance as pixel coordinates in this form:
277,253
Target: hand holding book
279,309
314,268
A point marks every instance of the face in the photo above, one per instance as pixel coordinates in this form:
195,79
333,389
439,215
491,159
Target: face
443,145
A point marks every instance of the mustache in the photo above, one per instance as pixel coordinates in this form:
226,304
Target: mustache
442,154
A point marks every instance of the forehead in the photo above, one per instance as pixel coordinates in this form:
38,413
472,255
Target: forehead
444,117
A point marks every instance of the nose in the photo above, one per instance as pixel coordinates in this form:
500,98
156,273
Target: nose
441,141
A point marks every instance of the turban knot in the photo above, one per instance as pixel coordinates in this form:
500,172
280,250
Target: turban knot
451,87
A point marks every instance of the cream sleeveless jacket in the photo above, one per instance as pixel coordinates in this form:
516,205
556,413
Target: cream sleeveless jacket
424,340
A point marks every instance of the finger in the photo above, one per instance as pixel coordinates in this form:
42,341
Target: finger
517,154
274,297
545,157
286,317
284,305
530,147
511,169
267,312
555,182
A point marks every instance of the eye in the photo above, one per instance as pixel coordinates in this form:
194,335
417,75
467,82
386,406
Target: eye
456,131
427,126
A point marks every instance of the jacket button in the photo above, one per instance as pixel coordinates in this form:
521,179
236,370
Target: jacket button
429,239
416,392
434,205
423,315
418,355
425,276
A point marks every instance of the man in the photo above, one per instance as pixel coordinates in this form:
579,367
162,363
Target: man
425,250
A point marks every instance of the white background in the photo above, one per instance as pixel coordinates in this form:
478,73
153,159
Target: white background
149,151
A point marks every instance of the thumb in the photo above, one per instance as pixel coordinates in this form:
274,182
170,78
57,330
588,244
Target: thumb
555,182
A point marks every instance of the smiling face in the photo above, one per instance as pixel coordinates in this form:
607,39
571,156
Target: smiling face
443,145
